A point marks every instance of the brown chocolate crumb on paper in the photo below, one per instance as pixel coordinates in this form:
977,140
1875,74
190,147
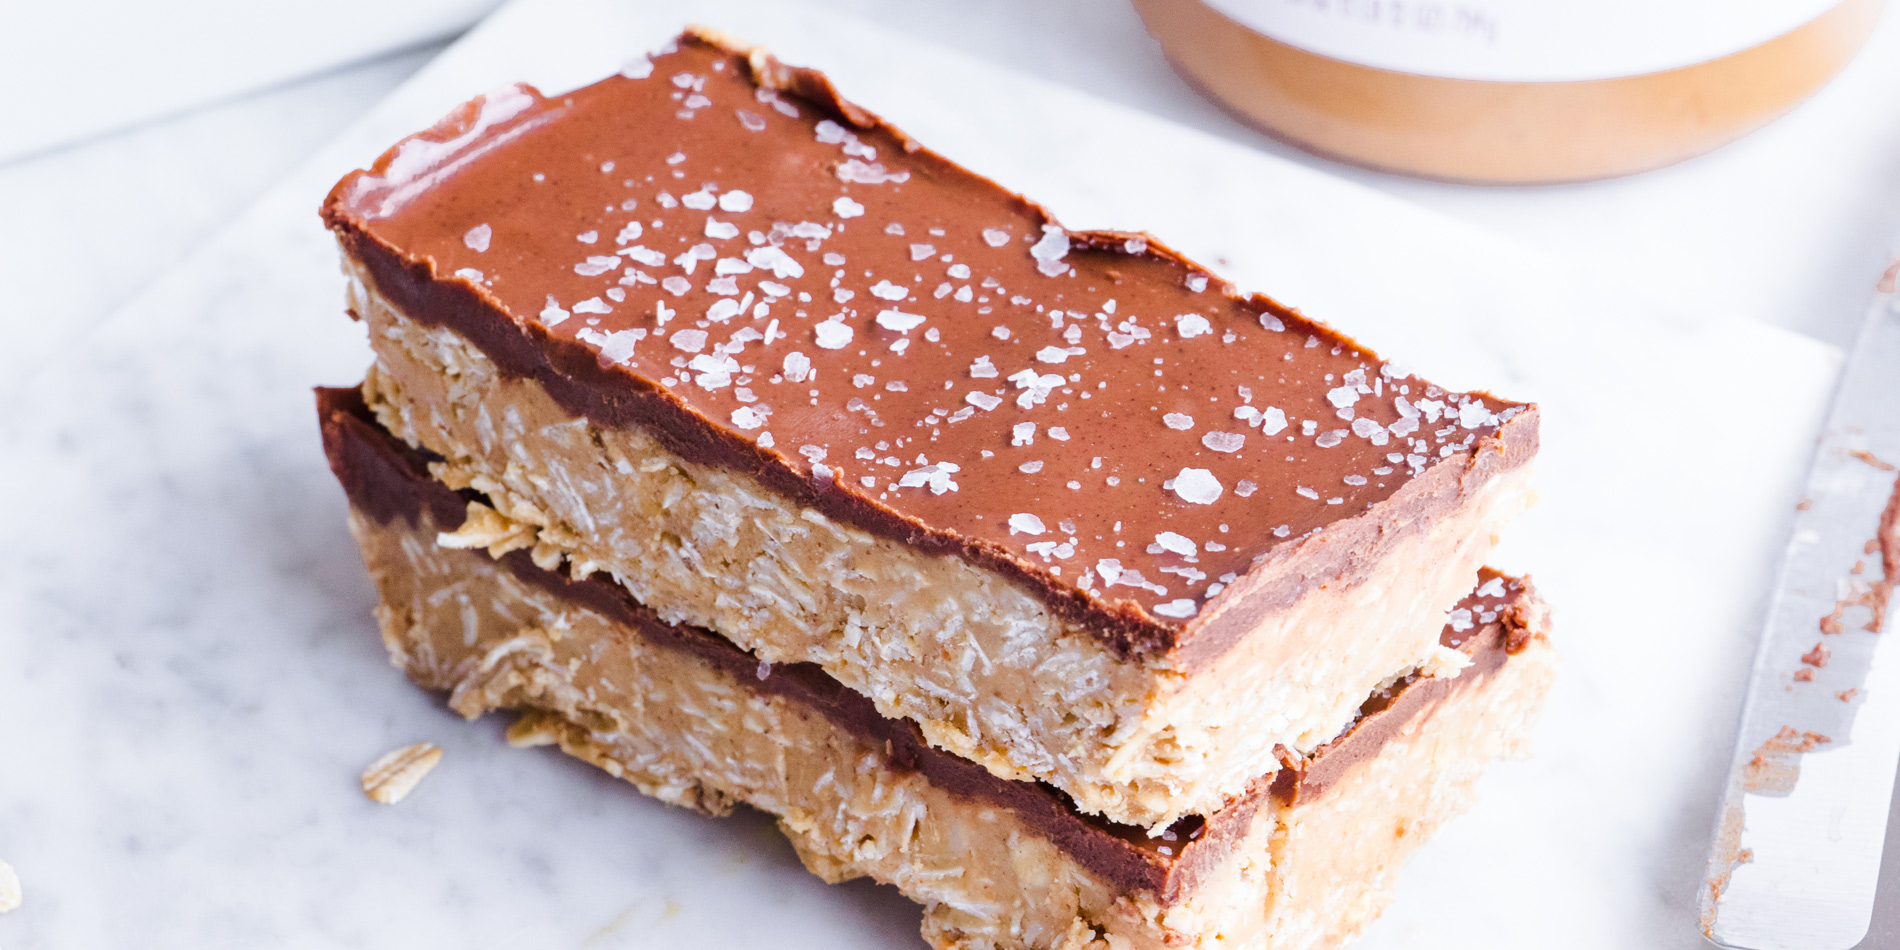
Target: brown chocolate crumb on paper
1776,765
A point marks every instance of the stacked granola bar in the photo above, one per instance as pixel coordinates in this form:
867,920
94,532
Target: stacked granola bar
755,453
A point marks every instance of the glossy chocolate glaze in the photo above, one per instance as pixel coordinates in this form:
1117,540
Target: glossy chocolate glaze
1170,435
386,480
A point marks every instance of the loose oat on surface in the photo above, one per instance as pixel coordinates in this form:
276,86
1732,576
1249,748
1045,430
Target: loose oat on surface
9,888
391,778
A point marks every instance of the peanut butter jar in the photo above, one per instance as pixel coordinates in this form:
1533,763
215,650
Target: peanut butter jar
1509,91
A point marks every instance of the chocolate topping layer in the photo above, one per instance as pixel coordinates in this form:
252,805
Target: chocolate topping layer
386,480
721,250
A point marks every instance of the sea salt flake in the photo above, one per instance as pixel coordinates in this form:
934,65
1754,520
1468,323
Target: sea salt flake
643,255
919,252
630,234
593,305
596,265
1330,438
995,237
478,237
934,476
1177,609
1191,325
1473,414
1197,486
832,334
1197,282
552,314
752,121
1272,322
1176,544
1022,433
1305,492
1030,468
873,173
748,417
983,401
721,230
797,367
616,347
676,285
1024,523
1051,354
1178,420
846,208
982,368
781,264
723,310
1058,433
1223,441
898,320
885,290
1245,488
1342,396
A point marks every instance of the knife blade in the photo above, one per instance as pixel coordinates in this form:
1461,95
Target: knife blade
1797,844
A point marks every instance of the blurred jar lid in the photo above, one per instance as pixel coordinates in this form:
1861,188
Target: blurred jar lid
1509,91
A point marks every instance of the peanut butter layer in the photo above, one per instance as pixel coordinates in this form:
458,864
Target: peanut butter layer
1302,861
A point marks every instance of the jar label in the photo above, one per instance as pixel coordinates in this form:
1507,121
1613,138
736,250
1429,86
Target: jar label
1524,40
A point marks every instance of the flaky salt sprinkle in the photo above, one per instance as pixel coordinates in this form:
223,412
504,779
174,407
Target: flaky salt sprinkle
1190,325
995,237
1049,251
833,334
1177,609
553,314
1223,441
1197,486
478,237
1025,523
1178,420
899,321
844,207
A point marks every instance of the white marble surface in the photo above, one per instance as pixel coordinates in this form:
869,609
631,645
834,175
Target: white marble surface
77,68
192,732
